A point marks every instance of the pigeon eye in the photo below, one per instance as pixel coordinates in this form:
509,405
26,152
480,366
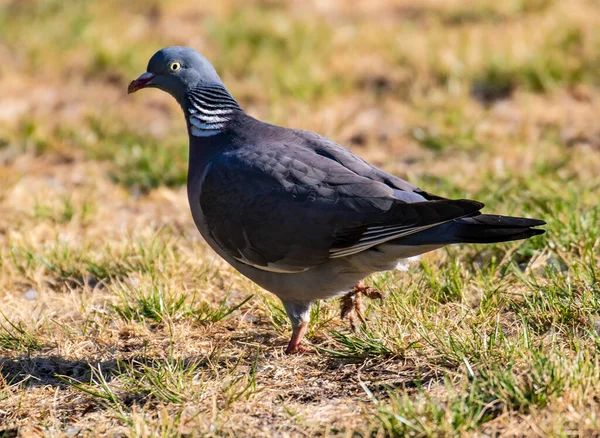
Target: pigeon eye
175,66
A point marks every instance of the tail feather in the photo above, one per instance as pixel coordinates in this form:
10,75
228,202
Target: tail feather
488,228
482,228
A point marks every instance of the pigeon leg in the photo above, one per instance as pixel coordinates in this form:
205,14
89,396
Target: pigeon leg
295,346
299,314
351,303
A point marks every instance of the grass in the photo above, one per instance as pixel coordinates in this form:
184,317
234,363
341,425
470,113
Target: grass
16,338
117,319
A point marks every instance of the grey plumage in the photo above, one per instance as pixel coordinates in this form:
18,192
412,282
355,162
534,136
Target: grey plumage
300,215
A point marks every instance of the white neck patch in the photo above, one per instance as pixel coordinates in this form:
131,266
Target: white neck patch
206,125
209,110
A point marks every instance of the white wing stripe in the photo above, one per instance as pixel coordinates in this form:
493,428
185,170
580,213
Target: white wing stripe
371,231
270,268
361,246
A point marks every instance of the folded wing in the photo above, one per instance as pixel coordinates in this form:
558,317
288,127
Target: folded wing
288,209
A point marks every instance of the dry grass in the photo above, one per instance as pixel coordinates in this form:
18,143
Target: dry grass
116,318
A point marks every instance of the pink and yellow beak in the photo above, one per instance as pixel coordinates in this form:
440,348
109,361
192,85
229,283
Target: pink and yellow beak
142,82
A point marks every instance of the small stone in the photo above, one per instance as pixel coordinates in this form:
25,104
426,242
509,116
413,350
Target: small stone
31,294
73,431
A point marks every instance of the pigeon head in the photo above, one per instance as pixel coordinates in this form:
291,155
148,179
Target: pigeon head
176,70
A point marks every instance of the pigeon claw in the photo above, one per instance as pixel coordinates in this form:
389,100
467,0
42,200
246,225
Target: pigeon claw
296,349
295,346
351,303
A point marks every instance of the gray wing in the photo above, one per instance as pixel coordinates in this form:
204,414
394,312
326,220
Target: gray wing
326,148
287,209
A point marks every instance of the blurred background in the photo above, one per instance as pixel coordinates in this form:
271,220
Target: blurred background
496,101
454,85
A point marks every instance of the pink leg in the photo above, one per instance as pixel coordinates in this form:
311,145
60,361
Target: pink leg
299,314
295,346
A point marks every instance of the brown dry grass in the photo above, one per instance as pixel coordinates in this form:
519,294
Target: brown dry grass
115,312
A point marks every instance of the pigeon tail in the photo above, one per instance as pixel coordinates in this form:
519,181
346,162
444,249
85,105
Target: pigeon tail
489,228
483,228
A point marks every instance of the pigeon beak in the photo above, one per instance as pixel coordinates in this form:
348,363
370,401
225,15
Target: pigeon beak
142,82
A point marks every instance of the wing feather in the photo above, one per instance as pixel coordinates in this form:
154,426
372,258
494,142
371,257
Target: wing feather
286,209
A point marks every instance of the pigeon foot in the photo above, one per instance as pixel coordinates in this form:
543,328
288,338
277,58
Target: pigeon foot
298,349
351,303
295,346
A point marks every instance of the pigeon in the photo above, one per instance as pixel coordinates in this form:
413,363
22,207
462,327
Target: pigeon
298,214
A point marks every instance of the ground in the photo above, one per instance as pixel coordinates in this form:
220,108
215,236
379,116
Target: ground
117,319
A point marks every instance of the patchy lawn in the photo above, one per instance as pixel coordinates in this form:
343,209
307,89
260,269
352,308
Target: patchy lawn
117,319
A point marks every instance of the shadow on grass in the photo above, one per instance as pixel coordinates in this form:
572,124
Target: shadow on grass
45,370
58,372
52,370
